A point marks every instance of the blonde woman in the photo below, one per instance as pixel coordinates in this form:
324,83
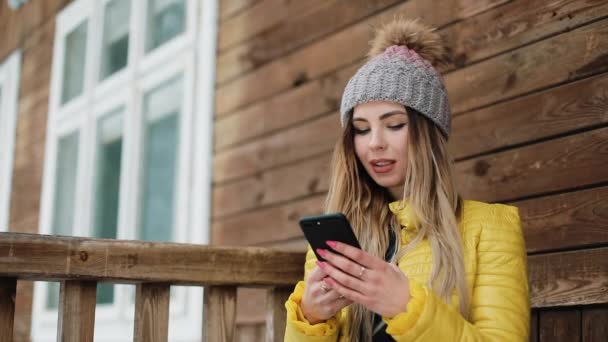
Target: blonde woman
432,267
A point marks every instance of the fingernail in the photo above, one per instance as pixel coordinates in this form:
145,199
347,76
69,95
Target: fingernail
331,243
320,264
321,252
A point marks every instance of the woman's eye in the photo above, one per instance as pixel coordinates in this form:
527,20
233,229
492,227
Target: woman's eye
360,131
396,127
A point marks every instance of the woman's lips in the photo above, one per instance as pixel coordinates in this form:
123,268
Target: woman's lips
382,165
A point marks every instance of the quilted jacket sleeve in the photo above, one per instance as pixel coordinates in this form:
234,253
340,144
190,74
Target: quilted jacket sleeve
500,306
297,327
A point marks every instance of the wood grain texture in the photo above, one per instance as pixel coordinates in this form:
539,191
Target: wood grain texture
267,224
50,257
533,326
287,146
340,49
515,24
560,325
276,313
77,301
152,312
572,220
578,53
220,313
568,278
229,8
595,323
549,166
284,110
559,110
272,186
8,290
294,30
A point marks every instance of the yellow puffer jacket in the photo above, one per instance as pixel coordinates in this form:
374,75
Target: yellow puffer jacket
496,274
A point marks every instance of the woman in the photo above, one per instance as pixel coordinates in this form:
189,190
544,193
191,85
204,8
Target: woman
432,267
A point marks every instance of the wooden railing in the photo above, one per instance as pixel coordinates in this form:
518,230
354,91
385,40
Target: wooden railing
79,263
556,279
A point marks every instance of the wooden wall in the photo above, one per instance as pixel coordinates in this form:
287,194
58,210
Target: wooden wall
31,28
529,94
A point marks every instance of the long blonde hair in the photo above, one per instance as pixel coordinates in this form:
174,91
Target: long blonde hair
430,192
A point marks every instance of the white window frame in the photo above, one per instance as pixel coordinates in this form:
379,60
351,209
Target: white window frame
191,55
10,71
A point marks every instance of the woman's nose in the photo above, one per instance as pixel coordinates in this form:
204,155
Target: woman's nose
377,141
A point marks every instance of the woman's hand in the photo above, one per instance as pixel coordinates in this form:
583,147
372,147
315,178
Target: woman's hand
370,281
320,302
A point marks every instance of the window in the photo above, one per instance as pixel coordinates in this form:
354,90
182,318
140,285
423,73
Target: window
126,158
9,89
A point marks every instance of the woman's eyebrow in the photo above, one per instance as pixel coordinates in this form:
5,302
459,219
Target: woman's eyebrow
383,116
391,113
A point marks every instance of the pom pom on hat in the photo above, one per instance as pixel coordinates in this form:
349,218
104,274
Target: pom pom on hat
414,35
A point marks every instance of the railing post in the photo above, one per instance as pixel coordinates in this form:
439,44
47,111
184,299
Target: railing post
219,313
77,311
8,288
152,312
276,313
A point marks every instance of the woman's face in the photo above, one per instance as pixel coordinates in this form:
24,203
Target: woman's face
381,138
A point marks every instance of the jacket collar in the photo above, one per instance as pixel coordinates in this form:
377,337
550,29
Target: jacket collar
405,214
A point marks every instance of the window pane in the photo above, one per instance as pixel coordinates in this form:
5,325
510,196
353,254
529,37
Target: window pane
65,185
115,48
73,68
107,186
162,110
166,19
63,204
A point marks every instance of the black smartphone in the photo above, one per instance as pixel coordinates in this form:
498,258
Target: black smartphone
318,229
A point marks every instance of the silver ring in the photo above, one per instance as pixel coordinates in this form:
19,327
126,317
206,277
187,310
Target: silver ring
324,287
361,272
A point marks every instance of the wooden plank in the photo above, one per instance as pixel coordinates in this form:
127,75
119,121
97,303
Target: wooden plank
294,31
533,326
284,110
571,220
572,161
559,325
553,165
253,332
229,8
595,324
272,187
8,291
317,137
340,49
578,53
275,223
249,22
570,107
44,257
276,314
250,305
517,23
152,312
220,313
77,311
568,278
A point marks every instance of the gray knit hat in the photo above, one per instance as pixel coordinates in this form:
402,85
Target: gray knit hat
401,69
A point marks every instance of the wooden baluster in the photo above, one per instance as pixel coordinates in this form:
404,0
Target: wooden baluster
8,288
219,313
276,313
77,311
152,312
